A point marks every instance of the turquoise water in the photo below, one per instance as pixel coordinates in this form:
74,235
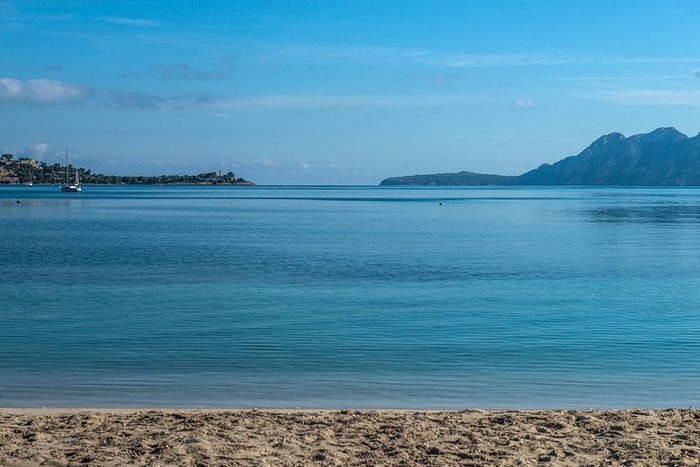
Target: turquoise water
350,297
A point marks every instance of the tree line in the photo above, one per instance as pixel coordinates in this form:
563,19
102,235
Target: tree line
25,170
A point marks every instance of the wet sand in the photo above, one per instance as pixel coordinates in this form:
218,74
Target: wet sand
57,437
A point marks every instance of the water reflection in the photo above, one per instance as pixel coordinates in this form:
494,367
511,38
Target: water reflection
40,203
647,214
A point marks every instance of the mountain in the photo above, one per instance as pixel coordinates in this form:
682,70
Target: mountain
459,178
664,157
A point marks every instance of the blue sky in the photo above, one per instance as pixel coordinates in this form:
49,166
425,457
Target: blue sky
339,92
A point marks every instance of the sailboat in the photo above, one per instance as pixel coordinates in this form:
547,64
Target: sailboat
71,187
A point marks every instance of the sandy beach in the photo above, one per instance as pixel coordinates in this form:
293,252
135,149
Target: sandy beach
60,437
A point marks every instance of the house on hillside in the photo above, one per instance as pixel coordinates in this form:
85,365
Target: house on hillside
27,162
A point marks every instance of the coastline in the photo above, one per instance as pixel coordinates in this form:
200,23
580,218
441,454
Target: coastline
51,436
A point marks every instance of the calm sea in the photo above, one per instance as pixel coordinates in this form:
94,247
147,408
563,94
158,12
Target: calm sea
350,297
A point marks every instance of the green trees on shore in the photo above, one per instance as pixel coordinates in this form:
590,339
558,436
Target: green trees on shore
208,178
25,170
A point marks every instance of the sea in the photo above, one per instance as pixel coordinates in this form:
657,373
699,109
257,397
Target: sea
350,297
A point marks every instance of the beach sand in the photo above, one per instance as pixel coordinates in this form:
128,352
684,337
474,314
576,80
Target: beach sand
30,437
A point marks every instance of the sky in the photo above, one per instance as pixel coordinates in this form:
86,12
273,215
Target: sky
339,92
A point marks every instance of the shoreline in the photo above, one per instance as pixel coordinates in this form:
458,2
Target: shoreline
104,436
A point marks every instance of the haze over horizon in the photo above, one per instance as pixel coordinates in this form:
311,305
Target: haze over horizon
329,92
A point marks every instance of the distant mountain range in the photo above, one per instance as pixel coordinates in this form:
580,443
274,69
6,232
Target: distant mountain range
664,157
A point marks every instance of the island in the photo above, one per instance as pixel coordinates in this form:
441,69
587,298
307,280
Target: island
24,170
663,157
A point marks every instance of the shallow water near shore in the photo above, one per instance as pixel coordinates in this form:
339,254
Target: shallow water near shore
493,297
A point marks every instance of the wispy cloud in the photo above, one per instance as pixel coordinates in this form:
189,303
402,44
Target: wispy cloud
130,100
643,60
524,103
334,101
359,53
127,100
129,21
40,90
653,97
456,59
258,162
52,92
44,91
182,71
305,166
505,60
697,73
497,60
634,77
37,150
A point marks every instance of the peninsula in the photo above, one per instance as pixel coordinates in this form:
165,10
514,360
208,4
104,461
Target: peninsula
24,170
664,157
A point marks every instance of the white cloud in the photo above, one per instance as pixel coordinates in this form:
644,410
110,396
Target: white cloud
525,103
129,21
40,90
38,150
305,166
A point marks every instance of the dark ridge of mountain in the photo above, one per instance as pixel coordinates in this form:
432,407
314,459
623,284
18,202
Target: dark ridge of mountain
664,157
459,178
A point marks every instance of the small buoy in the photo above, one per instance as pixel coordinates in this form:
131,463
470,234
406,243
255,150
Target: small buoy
440,203
18,201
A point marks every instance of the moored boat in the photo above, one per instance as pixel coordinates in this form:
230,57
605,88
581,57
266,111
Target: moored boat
71,187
